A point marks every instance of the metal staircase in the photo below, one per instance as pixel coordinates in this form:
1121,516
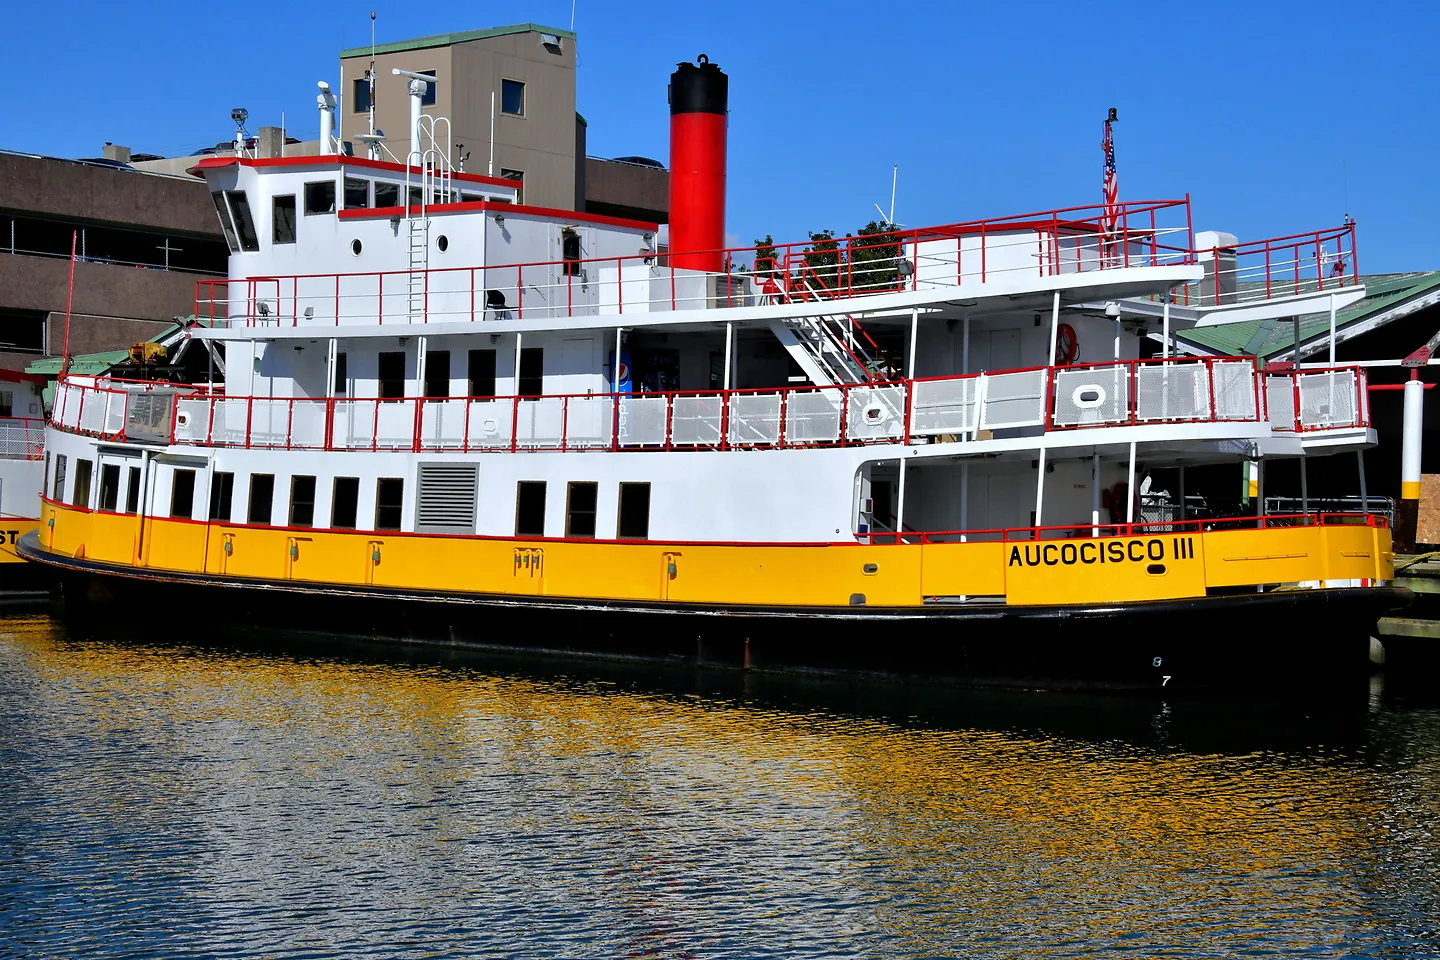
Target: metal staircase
829,349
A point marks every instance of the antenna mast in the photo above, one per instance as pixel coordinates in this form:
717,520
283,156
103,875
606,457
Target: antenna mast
371,74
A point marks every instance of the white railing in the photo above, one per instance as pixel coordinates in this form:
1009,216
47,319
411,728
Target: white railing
22,438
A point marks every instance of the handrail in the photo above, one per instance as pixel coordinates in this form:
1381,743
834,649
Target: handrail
1137,528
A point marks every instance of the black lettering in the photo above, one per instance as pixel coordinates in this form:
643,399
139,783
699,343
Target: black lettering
1130,550
1035,560
1116,549
1068,554
1046,551
1177,548
1015,560
1155,549
1094,548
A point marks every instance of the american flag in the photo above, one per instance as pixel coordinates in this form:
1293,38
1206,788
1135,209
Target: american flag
1110,186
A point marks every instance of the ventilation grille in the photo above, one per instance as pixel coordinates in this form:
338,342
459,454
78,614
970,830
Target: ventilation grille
447,497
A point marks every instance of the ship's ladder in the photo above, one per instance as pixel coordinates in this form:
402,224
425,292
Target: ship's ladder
828,348
432,161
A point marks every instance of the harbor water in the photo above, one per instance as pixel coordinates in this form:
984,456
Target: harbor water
166,794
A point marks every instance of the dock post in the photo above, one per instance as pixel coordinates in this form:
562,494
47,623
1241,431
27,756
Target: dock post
1407,510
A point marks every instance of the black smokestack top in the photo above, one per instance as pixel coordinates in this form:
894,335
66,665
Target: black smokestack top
701,88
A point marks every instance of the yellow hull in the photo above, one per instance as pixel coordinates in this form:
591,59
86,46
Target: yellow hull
1052,572
11,530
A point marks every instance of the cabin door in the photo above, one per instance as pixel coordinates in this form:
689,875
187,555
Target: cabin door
587,421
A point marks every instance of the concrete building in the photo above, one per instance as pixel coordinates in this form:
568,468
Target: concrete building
539,138
141,242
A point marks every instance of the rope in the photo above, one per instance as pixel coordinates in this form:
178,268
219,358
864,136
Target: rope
1418,559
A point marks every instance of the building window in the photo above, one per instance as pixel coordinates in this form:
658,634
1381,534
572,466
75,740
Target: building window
132,491
427,99
342,376
182,494
570,252
634,520
262,497
226,224
320,197
357,193
360,95
109,486
302,501
57,491
389,499
530,508
512,98
519,177
392,375
532,372
282,219
387,194
580,510
244,222
343,506
81,493
222,491
482,373
437,373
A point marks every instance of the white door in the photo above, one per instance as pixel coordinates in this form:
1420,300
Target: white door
589,412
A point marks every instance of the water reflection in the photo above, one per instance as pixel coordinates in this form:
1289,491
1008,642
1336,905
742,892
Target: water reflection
284,796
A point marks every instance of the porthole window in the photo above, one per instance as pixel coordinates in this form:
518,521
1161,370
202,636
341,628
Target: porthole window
443,243
355,247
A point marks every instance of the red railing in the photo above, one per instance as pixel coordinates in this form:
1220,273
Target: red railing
1074,239
1137,528
1305,401
1302,263
22,438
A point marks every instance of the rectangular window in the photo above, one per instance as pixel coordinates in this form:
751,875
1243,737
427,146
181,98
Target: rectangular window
57,491
302,501
570,252
222,492
482,373
109,486
182,494
357,193
437,373
244,222
389,499
81,497
519,177
226,223
282,219
360,95
320,197
132,491
427,99
512,98
262,497
580,509
634,520
532,372
530,508
7,402
342,376
387,194
392,375
343,506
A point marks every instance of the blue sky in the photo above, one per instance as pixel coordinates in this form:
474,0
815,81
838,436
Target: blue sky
1277,117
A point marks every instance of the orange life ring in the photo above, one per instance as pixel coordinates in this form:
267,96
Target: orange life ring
1067,345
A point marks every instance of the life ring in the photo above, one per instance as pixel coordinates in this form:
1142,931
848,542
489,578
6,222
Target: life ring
1114,500
1067,345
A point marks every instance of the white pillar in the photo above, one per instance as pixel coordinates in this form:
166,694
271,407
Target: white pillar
330,353
1054,326
417,91
1130,488
900,505
964,499
1095,497
420,366
1410,439
1165,324
914,334
518,338
1040,492
1332,331
729,335
615,367
326,102
1117,338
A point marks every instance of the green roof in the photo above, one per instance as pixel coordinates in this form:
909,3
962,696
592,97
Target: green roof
85,364
1382,291
447,39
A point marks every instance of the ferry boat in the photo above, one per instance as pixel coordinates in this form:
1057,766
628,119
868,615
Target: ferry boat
446,413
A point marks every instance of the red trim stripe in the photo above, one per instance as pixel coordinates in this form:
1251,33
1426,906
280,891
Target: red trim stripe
520,209
215,163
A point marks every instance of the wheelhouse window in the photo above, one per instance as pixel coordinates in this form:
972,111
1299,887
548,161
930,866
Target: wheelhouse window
437,373
182,494
81,497
570,252
634,520
320,197
7,403
222,492
387,194
519,177
343,505
482,373
530,508
282,219
360,95
226,224
109,486
580,499
389,501
342,376
357,193
262,497
427,99
392,375
244,222
302,501
532,372
512,98
57,489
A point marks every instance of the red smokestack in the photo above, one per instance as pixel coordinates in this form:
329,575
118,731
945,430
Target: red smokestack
698,104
